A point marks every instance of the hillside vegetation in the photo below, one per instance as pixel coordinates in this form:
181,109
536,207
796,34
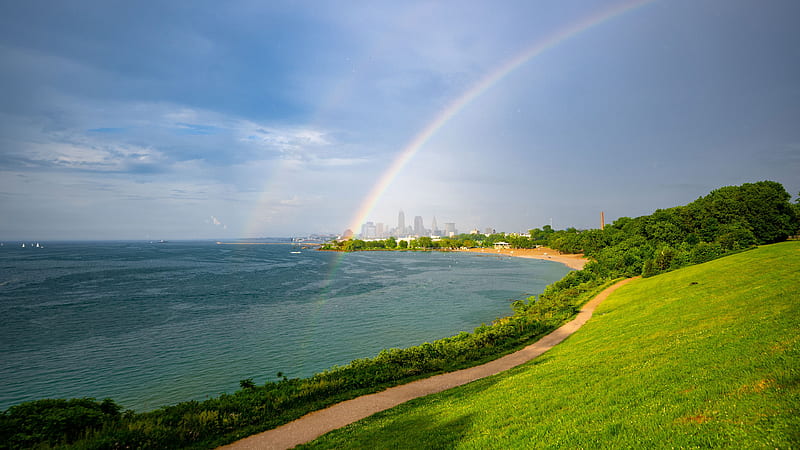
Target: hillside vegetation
705,356
726,220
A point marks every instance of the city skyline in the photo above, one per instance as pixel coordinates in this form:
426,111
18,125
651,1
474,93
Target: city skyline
379,230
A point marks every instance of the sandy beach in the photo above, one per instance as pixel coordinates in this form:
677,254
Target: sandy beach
573,261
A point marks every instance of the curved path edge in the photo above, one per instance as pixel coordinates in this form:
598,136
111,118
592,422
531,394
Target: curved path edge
317,423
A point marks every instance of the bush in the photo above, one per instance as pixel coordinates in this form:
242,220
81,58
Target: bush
704,252
55,421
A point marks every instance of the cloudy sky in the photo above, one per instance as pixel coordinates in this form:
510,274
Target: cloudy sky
201,119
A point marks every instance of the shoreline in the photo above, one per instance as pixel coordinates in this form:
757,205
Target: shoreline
314,424
573,261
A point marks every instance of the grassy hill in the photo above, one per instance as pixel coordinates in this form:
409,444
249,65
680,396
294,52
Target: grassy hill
705,356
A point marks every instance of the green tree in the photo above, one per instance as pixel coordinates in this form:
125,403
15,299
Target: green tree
353,245
592,241
541,235
796,207
567,241
373,244
704,251
448,243
735,237
763,207
424,242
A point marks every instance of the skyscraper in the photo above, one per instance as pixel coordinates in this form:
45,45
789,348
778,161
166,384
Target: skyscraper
435,227
419,229
401,224
368,231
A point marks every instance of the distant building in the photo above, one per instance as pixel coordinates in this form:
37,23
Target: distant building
450,229
419,228
500,245
401,224
348,233
368,231
380,229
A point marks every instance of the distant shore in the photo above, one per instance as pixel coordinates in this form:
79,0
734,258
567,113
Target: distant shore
573,261
317,244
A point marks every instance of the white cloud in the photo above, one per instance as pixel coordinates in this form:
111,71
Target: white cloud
119,136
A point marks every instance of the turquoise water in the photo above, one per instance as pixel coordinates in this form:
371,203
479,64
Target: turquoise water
155,324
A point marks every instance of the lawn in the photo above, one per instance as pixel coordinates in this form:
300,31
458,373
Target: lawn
706,356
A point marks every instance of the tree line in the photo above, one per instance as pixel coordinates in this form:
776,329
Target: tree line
728,219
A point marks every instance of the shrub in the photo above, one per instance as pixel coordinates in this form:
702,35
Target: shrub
55,421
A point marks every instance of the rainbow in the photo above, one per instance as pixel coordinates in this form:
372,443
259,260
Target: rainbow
474,92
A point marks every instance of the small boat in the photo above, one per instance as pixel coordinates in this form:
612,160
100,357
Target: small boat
23,245
294,253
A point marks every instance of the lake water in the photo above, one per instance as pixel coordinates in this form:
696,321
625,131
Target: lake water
152,324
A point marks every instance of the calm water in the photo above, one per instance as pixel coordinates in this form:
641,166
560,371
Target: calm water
154,324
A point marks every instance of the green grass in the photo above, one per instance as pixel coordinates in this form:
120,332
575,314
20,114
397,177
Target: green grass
705,356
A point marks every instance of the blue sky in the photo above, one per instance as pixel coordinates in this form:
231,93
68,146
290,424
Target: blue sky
169,120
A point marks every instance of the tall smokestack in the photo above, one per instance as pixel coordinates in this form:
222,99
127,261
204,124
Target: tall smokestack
602,220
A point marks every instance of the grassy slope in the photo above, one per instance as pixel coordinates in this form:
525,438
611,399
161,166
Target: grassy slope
663,363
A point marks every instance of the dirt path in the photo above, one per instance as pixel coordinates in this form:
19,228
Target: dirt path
315,424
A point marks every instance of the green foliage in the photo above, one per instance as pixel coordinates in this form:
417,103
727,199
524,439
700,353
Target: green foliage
374,245
425,242
353,245
796,208
541,235
54,421
727,220
449,244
